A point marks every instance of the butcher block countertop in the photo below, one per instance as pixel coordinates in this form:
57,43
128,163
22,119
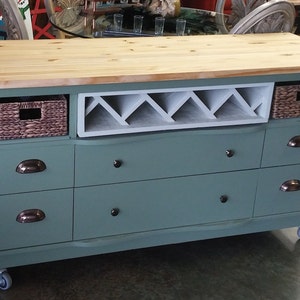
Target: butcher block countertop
295,2
67,62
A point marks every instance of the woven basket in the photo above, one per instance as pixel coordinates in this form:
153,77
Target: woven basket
38,117
286,102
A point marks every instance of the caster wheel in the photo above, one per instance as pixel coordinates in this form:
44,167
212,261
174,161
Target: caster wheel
5,280
298,232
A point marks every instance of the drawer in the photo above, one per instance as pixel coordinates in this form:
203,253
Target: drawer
157,204
55,227
277,151
58,160
165,155
270,198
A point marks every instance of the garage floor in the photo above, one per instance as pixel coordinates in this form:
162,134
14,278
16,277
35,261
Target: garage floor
256,266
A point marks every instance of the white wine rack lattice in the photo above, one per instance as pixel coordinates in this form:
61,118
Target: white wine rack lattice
124,112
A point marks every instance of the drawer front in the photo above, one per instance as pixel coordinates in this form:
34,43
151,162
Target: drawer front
59,171
157,204
55,227
277,151
270,198
167,155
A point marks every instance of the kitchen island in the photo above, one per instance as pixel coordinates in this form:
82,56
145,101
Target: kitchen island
158,141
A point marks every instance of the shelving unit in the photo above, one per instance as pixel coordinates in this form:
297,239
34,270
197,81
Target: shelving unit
122,112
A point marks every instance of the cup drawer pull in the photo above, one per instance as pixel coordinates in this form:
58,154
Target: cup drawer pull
30,216
294,141
290,185
31,166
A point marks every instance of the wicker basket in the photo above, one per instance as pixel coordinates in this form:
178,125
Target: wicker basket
286,102
35,117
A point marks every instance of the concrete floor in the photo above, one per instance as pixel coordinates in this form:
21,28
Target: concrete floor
256,267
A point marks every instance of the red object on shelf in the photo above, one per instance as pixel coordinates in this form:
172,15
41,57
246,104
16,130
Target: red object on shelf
206,4
40,22
201,4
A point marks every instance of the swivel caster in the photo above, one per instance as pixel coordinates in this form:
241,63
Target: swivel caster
298,232
5,280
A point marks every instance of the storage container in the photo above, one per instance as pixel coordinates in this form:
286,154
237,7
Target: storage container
33,117
286,101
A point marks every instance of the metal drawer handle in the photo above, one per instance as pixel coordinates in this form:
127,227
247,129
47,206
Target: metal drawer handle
30,216
294,141
229,153
31,166
292,185
114,212
224,198
117,163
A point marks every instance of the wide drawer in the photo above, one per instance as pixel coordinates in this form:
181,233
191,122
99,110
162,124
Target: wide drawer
157,204
167,155
278,191
282,146
55,227
32,175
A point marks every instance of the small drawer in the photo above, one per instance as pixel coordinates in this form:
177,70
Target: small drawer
165,155
52,223
159,204
282,146
278,191
32,168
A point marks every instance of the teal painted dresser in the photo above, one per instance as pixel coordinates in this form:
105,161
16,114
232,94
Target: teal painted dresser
168,140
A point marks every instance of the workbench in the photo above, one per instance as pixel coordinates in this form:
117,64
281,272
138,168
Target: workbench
169,140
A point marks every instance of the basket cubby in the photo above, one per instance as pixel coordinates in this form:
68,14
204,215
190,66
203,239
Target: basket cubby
121,112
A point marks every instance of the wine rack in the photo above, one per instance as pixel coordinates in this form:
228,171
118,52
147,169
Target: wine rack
121,112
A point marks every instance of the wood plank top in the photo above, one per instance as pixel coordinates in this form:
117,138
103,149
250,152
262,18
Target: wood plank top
42,63
295,2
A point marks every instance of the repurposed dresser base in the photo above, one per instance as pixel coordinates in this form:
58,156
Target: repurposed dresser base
175,160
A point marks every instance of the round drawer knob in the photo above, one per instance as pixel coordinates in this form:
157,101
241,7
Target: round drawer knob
114,212
229,153
224,198
117,163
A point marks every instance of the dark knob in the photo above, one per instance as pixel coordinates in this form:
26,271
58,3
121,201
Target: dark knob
224,198
229,153
114,212
117,163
